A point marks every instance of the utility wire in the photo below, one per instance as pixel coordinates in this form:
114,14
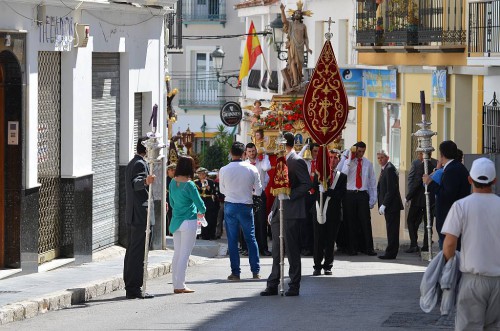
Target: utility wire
264,33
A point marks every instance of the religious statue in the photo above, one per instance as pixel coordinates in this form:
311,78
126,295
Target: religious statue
297,40
257,110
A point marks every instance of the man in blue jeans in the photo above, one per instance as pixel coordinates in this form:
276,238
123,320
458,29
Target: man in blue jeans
239,182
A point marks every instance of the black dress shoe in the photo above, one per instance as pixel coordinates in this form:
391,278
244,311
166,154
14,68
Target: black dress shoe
292,292
139,296
386,257
265,252
371,253
413,249
244,252
425,249
353,253
328,272
317,272
268,292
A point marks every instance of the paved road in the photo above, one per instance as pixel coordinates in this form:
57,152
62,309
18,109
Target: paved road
363,294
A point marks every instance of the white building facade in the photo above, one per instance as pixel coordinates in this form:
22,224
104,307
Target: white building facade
78,81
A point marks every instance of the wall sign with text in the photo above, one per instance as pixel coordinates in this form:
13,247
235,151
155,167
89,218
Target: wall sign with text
231,113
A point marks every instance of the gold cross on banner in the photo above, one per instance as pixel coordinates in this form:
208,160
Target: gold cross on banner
329,35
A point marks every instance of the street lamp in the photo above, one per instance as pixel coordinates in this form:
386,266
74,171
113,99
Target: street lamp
187,140
277,26
218,57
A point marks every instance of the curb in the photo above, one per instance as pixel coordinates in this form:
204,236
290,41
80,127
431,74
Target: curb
22,310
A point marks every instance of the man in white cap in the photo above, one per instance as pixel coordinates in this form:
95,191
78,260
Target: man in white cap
475,218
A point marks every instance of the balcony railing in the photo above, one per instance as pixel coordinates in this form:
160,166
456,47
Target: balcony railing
484,27
204,11
173,22
410,22
200,93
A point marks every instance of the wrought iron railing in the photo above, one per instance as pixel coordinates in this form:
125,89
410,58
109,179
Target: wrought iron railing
199,93
204,11
173,22
491,126
410,22
484,27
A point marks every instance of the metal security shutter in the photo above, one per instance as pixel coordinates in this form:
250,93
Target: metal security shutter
105,129
137,119
49,156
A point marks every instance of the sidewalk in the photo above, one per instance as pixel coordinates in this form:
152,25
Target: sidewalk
27,296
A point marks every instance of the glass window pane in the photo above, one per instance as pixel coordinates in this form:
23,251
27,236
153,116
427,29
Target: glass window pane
388,132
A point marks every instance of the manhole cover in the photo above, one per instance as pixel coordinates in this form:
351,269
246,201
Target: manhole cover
420,320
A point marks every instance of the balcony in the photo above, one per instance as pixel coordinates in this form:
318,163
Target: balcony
173,22
484,33
200,93
204,12
410,26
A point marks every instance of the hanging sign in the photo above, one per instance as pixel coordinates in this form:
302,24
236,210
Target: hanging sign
231,113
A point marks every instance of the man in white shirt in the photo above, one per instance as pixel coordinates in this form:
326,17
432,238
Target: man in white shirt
475,218
360,197
261,162
239,181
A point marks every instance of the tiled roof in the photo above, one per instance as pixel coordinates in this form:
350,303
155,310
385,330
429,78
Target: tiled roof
254,3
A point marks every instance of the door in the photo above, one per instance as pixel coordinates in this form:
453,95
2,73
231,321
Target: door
105,128
50,238
2,186
206,87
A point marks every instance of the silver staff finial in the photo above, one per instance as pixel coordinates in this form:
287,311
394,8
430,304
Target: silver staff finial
329,35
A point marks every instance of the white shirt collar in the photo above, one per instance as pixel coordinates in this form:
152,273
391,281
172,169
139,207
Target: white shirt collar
449,161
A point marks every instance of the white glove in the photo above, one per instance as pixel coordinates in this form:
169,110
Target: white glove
269,218
283,196
381,210
321,188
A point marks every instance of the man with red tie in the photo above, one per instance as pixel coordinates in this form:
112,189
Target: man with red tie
360,197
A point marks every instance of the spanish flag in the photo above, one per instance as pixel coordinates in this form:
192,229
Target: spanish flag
251,52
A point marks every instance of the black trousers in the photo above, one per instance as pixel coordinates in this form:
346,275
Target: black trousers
208,232
306,228
291,231
260,220
133,265
392,221
325,236
357,214
415,216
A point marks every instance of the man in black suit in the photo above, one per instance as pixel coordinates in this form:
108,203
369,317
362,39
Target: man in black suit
416,198
325,234
137,180
454,184
206,188
389,203
294,213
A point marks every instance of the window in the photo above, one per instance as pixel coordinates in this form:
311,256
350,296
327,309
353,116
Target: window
388,132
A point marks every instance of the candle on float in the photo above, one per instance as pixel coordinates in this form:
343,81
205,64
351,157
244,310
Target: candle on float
422,104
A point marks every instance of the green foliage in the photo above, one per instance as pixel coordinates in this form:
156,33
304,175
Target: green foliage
216,156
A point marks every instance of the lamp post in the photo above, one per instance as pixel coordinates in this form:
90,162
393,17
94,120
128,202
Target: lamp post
187,140
218,56
277,26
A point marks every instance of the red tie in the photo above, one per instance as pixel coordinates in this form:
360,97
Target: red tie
359,182
252,163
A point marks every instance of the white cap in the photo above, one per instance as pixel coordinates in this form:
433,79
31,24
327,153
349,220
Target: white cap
483,171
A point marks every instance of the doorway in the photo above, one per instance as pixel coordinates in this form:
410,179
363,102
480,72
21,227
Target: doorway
11,166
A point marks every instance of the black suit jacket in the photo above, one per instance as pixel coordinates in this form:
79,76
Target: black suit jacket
337,195
388,189
300,184
209,190
454,186
416,189
136,192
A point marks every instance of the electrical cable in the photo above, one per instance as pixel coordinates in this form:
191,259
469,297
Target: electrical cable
114,24
26,17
